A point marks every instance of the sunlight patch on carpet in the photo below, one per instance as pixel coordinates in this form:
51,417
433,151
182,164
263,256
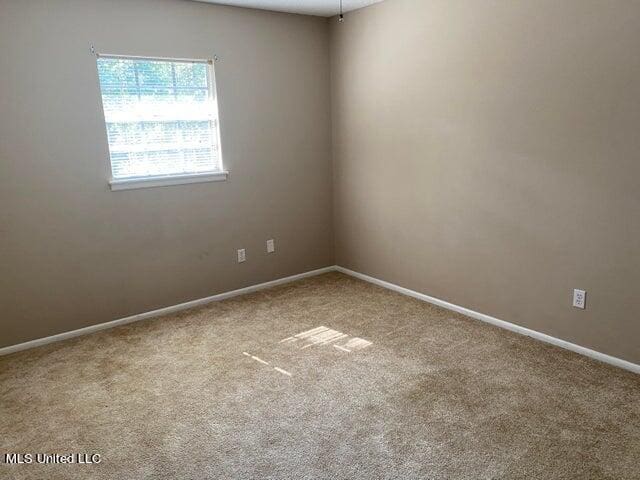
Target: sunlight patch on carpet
264,362
322,335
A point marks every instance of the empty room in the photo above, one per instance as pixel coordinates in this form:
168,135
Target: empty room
319,239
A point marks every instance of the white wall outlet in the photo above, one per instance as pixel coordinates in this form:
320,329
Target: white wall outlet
579,298
271,246
242,255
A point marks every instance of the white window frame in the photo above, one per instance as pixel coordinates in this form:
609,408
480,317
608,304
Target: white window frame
173,179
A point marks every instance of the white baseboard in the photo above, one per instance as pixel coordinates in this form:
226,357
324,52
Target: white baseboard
162,311
618,362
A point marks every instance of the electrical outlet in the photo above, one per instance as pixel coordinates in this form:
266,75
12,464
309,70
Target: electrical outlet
579,298
242,255
271,246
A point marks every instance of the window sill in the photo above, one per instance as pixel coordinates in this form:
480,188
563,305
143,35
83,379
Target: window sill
166,180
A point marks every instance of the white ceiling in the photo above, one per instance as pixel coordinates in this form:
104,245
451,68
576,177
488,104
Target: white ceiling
323,8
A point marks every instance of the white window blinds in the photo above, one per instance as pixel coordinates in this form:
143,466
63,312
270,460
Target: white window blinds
161,116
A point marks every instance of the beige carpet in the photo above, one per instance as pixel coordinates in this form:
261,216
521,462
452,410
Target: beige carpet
389,387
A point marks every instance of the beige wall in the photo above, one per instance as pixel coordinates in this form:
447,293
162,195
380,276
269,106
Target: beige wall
484,152
73,253
488,153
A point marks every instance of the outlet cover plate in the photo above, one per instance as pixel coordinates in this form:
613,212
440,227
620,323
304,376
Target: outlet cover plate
579,298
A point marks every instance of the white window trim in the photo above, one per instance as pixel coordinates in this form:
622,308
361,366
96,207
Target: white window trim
132,183
166,180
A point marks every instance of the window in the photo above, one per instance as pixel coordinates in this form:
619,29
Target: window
162,121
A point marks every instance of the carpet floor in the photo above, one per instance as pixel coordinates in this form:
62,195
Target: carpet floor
326,378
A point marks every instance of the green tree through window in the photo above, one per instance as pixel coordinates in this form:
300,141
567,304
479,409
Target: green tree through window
161,116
